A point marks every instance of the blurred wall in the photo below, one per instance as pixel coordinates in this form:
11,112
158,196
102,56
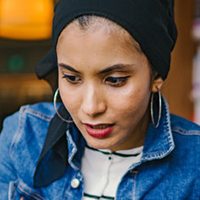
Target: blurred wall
18,83
178,86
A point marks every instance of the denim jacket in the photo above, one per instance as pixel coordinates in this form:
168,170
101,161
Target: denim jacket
169,168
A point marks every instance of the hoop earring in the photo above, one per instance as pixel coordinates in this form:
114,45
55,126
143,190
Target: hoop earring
55,107
152,110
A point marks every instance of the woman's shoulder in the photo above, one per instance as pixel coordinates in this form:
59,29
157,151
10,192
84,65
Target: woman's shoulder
31,121
43,110
28,114
23,136
183,126
186,135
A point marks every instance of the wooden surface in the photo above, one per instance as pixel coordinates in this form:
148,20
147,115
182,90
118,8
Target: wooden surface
178,86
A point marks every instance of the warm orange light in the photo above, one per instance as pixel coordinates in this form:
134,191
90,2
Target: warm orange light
26,19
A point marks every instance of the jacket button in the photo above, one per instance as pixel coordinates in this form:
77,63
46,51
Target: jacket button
75,183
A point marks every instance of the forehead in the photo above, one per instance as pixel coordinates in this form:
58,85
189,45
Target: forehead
90,24
92,51
99,43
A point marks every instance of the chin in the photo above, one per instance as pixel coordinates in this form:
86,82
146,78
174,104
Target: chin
100,144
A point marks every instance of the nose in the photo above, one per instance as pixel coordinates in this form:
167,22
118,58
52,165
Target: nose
93,102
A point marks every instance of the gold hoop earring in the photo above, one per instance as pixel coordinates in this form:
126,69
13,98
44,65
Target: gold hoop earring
55,107
152,110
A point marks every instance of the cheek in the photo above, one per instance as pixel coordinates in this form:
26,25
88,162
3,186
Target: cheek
70,99
131,101
71,103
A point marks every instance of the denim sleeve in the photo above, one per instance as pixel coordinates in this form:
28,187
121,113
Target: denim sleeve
7,171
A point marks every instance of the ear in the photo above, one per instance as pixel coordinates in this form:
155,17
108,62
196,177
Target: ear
157,84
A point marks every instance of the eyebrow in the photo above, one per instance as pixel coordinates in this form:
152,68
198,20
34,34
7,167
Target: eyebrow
68,68
115,67
104,71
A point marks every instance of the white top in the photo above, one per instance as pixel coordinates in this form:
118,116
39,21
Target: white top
103,171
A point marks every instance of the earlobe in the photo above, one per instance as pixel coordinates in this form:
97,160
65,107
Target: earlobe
157,84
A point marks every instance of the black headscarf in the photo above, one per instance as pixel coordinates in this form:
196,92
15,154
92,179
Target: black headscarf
150,22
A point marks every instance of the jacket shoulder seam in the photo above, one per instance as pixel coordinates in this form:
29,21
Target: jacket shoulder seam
185,131
41,115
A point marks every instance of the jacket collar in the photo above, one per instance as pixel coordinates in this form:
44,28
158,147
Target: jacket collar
53,161
76,147
159,141
158,144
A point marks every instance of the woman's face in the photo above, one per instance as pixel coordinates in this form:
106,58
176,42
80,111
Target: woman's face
105,85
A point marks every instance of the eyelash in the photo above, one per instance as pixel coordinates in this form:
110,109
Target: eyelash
113,81
116,81
71,79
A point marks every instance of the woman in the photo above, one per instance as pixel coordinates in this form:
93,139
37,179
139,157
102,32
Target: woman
112,137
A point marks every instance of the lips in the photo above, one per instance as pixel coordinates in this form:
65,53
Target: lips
100,130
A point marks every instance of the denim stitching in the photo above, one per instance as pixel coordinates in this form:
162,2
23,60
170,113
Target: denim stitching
73,152
134,187
185,132
10,191
38,114
18,131
168,127
157,155
22,116
35,195
162,154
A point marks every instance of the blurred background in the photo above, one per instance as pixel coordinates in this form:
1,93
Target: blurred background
25,37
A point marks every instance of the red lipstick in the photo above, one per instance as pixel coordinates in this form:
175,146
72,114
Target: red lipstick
99,130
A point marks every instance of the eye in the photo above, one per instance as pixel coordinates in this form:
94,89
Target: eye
116,81
72,79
